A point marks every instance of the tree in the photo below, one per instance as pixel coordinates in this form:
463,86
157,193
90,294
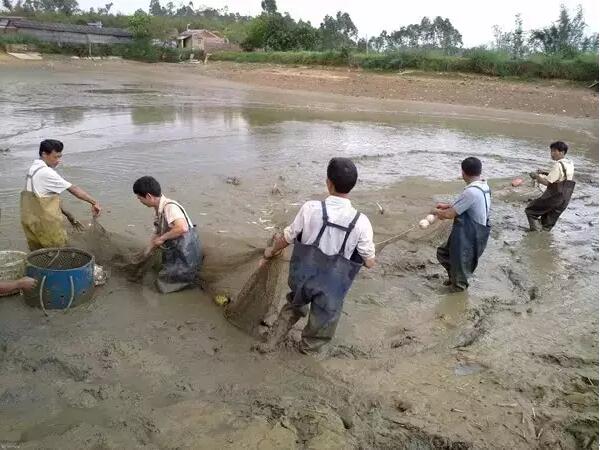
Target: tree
439,34
67,7
378,43
566,36
501,39
590,43
7,5
337,32
269,6
156,9
186,10
517,39
139,24
106,9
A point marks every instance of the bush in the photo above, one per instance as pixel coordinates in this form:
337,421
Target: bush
329,58
584,67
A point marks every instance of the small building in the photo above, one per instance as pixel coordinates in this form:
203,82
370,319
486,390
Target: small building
63,33
207,41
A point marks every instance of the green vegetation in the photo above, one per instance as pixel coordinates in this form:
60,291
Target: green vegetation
560,50
583,67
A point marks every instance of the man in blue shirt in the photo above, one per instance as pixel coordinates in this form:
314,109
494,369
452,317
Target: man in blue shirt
471,228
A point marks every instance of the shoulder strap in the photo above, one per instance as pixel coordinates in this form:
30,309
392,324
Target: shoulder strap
563,168
189,221
325,223
484,199
27,177
348,231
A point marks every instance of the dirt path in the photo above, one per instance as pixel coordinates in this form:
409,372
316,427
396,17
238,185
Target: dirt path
543,96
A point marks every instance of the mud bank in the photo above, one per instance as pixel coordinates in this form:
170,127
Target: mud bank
510,364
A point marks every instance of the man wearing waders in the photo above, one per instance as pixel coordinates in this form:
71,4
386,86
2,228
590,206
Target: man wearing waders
471,227
332,241
174,234
546,209
41,212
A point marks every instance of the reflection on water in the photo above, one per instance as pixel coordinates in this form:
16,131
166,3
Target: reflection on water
115,133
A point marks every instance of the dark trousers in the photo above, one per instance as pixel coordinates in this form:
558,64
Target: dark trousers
457,280
319,330
544,212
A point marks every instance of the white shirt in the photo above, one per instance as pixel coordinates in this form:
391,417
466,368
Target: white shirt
309,221
47,181
557,174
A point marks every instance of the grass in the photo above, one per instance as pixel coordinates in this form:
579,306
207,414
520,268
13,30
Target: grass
583,67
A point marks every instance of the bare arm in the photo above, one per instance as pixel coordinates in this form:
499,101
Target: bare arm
24,283
178,229
369,263
542,180
279,244
82,195
72,220
445,214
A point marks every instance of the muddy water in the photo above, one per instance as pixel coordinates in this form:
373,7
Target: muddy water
528,325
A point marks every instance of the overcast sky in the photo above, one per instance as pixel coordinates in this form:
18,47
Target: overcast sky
473,18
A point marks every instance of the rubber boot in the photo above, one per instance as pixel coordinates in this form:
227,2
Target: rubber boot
534,224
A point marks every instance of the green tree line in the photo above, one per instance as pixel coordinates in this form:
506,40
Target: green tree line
562,49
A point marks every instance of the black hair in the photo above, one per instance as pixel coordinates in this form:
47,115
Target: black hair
560,146
343,174
50,145
471,166
146,185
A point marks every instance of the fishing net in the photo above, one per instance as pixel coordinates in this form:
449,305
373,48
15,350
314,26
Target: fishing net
258,300
435,234
518,195
230,268
107,247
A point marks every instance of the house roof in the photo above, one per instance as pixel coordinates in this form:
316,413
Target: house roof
65,27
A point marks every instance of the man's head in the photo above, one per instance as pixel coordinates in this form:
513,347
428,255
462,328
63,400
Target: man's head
148,191
51,152
471,168
558,150
341,176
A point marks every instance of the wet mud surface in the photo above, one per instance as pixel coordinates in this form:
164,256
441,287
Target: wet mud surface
557,97
510,364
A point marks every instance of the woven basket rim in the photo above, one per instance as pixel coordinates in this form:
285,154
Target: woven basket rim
13,263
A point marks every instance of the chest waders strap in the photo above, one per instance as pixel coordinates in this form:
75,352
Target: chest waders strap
327,223
487,215
31,177
564,170
187,218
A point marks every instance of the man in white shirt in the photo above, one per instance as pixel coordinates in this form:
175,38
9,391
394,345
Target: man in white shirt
41,213
546,209
331,242
174,234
